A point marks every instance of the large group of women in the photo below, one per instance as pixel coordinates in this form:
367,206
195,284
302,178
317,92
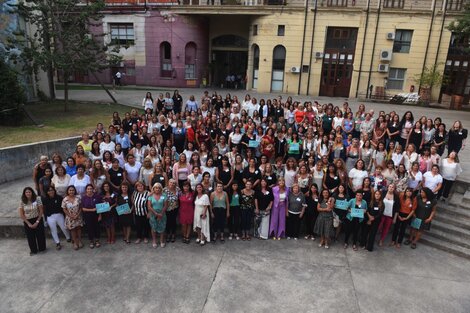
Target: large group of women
226,169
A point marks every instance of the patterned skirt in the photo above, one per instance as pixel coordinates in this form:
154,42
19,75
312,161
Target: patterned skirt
324,224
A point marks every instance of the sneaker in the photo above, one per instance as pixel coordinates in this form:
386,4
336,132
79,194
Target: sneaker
307,237
58,246
198,240
313,238
327,247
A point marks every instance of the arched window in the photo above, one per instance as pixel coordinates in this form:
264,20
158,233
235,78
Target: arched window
255,66
279,62
165,59
190,60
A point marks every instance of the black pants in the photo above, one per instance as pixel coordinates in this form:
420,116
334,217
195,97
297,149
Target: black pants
369,232
142,226
36,236
352,227
293,225
171,221
310,218
220,217
445,189
234,220
246,217
92,225
400,228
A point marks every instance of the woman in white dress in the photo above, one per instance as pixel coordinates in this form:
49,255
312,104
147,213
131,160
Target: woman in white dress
201,218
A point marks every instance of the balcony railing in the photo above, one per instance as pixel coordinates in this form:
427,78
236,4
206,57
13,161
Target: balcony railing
194,2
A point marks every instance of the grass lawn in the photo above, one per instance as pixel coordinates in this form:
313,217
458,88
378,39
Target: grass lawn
80,116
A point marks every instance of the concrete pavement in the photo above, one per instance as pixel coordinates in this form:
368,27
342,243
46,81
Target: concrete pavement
257,276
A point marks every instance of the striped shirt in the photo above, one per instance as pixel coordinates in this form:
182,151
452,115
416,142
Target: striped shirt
139,201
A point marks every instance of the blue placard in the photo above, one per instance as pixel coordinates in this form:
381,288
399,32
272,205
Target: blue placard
123,209
416,223
342,204
253,144
355,212
102,207
294,147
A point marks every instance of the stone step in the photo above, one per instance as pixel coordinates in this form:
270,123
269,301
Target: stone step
456,211
457,201
435,232
451,228
460,222
466,197
445,246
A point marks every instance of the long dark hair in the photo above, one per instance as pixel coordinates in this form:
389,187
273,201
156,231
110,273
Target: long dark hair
33,195
428,192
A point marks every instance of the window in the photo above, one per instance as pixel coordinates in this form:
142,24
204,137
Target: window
281,29
396,78
455,5
279,62
337,3
255,66
395,4
165,59
190,61
402,41
122,34
255,30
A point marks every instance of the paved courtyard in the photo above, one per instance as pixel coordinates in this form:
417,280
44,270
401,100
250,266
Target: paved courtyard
257,276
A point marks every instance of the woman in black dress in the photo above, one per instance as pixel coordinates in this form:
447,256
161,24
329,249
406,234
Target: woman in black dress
440,137
457,137
224,174
424,214
331,180
311,212
371,225
125,219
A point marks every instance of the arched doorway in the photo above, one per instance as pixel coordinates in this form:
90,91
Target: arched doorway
255,66
279,62
229,58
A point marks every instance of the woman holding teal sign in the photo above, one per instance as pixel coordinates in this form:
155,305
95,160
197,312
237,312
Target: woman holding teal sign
354,218
424,214
341,207
124,211
108,219
157,206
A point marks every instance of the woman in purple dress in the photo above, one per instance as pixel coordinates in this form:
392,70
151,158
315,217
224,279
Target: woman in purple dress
277,227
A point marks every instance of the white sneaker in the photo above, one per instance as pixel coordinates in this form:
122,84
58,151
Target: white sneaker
288,238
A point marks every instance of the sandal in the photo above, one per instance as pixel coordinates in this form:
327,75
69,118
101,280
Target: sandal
354,247
75,247
154,245
413,246
345,246
243,238
248,238
97,244
92,245
162,245
407,242
222,240
80,245
173,239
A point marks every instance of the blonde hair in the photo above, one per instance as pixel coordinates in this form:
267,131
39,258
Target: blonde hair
157,185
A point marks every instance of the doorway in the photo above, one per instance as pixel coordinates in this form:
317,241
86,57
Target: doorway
337,67
229,58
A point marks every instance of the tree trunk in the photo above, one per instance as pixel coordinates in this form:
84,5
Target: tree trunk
66,91
50,67
104,87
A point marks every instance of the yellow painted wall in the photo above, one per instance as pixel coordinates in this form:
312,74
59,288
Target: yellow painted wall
390,20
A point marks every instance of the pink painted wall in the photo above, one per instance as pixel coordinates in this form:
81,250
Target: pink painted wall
178,31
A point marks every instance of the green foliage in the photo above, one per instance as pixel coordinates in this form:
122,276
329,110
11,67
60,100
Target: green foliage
66,36
461,27
11,95
431,76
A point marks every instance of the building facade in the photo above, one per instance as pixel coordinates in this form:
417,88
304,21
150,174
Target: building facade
342,48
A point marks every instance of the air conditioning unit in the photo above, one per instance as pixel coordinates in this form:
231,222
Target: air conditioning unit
295,69
318,55
391,36
383,68
386,55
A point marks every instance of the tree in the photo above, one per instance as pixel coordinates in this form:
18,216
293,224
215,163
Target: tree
460,27
65,38
431,76
12,95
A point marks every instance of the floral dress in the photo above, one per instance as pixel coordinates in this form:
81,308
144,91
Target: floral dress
158,225
73,207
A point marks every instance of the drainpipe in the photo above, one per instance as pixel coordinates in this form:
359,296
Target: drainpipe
429,40
311,45
303,46
363,46
441,32
373,47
